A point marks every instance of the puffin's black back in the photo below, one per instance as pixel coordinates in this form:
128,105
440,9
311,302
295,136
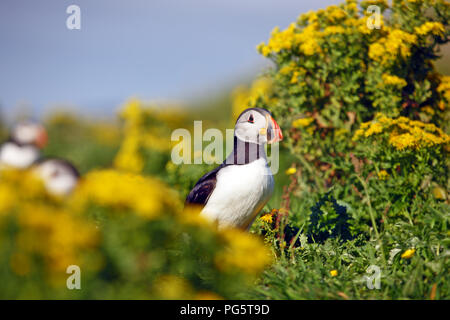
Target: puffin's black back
204,187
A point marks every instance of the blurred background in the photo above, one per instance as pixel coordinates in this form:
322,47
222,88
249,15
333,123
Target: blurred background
159,50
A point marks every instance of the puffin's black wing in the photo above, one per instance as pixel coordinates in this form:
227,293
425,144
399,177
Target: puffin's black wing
204,187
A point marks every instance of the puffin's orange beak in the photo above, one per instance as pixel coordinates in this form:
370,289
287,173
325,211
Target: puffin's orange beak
275,133
41,138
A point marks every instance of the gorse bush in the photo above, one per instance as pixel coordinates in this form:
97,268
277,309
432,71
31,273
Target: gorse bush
366,113
334,72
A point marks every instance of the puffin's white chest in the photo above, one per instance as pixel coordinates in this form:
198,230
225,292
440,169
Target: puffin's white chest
241,192
17,156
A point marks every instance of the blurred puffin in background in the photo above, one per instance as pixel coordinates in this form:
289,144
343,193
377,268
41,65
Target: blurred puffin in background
23,151
60,177
234,193
23,146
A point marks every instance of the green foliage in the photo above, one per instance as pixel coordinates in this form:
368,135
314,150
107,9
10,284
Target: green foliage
328,220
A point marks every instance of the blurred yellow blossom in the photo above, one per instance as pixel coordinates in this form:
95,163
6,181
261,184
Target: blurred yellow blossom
430,27
439,193
408,254
444,89
145,195
334,273
383,175
56,235
393,80
302,122
291,171
244,252
7,198
428,109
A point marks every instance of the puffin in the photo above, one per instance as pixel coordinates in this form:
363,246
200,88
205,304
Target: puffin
22,150
23,146
59,176
234,193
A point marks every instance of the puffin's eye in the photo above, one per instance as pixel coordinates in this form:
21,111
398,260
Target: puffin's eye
250,119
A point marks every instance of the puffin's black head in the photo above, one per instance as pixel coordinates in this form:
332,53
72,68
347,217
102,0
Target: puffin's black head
29,133
256,125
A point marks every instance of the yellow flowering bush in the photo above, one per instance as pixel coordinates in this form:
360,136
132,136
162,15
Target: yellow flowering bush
243,97
242,253
365,112
128,234
335,70
404,132
146,131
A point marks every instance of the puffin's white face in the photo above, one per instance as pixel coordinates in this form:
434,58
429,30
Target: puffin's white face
256,125
29,133
59,179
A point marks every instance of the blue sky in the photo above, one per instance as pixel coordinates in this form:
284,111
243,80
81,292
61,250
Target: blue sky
155,49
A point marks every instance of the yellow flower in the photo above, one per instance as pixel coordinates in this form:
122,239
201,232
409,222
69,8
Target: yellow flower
402,141
294,78
397,44
334,273
306,39
267,218
428,109
334,14
404,133
244,252
430,27
191,216
291,171
282,40
408,254
302,122
7,198
383,175
146,196
129,157
444,89
56,235
393,80
132,111
439,193
374,128
331,30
